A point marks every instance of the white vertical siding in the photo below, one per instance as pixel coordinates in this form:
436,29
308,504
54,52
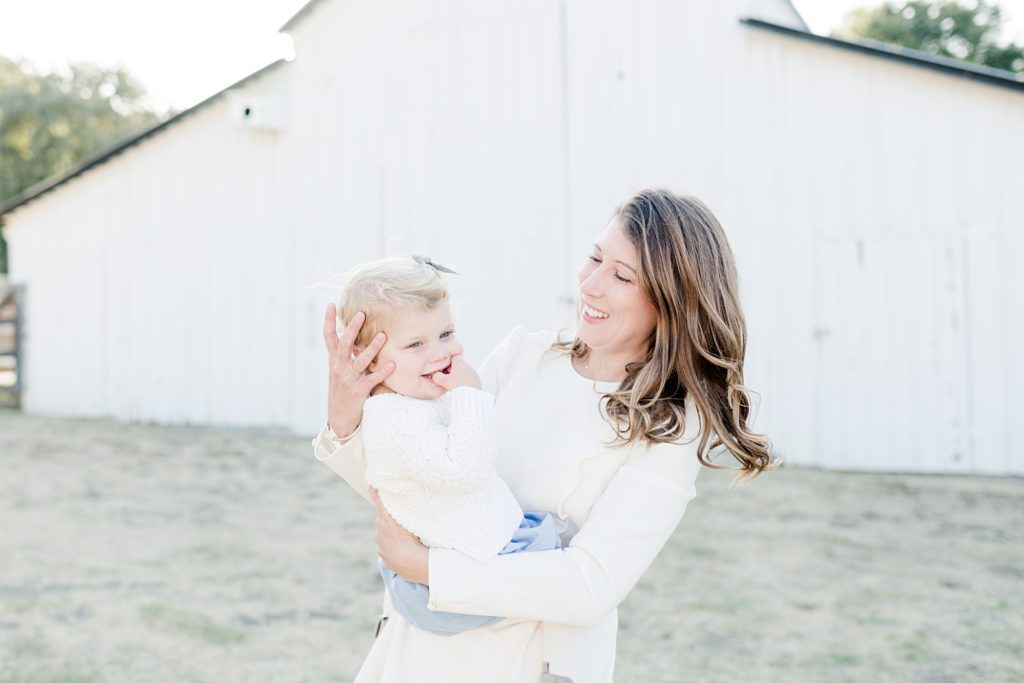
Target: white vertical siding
155,282
908,178
870,204
443,129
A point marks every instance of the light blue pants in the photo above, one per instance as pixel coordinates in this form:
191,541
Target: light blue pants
536,532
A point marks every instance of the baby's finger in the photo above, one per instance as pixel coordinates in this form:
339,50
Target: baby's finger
441,379
367,355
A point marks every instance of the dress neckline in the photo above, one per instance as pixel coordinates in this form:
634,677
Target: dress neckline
604,386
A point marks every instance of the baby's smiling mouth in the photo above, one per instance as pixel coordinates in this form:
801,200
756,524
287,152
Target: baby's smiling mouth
446,370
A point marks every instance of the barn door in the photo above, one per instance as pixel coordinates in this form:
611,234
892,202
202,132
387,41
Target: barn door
891,383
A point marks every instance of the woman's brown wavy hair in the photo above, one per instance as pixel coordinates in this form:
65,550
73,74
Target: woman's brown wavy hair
686,269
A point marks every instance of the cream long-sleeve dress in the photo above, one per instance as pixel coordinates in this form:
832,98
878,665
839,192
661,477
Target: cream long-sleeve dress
616,508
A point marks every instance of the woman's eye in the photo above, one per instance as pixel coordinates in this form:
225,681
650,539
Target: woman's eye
622,278
594,259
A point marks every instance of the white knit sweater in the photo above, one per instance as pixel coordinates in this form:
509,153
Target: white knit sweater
432,461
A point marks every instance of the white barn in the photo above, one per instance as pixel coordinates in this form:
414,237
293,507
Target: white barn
870,194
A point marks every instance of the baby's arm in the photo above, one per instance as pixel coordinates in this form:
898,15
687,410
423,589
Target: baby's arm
458,456
349,460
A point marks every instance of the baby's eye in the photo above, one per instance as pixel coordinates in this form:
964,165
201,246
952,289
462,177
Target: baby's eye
414,345
447,333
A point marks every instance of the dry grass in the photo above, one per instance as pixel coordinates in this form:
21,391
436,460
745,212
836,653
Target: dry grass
140,553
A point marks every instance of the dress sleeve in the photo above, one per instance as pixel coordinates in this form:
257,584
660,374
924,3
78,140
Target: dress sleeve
347,461
579,585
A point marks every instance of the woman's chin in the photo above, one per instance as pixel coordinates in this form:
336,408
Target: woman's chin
588,335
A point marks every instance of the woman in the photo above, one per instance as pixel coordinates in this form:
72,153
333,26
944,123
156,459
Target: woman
608,430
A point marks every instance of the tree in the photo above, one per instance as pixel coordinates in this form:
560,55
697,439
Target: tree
969,32
50,122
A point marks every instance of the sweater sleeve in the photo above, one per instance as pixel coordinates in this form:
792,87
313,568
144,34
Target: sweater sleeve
347,461
458,456
580,584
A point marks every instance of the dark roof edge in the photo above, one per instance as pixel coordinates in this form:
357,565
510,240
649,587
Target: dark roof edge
106,154
303,11
976,72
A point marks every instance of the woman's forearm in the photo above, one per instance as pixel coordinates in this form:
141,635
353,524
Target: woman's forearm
580,584
347,461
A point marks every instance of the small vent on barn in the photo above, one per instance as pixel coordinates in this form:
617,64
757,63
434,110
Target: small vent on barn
263,112
11,305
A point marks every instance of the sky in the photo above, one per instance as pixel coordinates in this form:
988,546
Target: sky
187,50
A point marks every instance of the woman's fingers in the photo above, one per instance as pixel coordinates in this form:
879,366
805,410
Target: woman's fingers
367,355
378,376
345,395
330,329
375,497
348,337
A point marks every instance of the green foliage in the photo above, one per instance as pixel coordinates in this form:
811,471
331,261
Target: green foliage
50,122
969,32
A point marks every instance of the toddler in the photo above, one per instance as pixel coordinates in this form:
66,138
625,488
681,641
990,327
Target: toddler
430,451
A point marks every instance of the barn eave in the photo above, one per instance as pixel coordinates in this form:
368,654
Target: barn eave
952,67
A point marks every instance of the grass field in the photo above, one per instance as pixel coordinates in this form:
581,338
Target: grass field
141,553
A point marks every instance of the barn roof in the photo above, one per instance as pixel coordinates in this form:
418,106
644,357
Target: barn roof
953,67
309,6
108,153
303,11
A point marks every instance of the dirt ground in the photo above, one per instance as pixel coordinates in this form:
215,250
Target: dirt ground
142,553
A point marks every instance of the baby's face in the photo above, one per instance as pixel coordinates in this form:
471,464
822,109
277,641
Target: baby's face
419,343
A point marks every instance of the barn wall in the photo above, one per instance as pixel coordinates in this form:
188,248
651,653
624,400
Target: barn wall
439,130
888,228
868,203
155,281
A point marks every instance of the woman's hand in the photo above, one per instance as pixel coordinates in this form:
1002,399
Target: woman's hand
400,549
349,384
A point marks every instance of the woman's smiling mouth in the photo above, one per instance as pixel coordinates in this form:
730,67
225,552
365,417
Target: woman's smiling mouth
592,314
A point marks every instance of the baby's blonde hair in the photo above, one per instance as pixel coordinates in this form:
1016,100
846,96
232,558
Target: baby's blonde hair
382,288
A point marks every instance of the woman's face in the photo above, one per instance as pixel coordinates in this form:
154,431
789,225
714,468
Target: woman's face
616,318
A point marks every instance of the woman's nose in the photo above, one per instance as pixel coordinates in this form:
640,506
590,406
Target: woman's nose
591,285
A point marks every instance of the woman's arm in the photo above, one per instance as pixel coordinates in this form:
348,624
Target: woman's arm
578,585
347,461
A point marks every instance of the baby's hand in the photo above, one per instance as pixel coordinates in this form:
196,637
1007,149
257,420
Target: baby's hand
462,374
